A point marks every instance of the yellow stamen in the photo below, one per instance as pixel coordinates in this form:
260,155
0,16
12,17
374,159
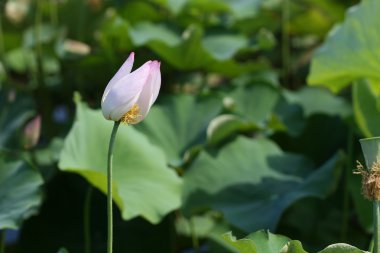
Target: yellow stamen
131,117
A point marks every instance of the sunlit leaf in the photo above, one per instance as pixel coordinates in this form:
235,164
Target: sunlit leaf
342,248
351,51
264,241
366,108
140,171
224,126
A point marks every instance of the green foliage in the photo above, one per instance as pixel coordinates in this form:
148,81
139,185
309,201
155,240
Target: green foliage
256,176
264,241
15,110
62,250
319,101
341,248
20,191
351,51
366,108
140,171
235,142
177,124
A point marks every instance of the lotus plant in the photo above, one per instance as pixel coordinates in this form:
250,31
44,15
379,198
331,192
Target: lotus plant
128,98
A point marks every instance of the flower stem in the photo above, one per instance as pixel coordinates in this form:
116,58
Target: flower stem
285,42
86,220
109,187
376,226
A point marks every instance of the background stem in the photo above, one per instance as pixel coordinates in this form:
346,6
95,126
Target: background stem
109,187
2,47
346,196
86,220
53,13
376,226
194,237
285,42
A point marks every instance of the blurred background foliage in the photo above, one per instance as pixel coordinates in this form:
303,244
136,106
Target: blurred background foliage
236,142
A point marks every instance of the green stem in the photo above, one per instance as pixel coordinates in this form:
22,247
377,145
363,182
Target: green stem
376,226
81,24
86,220
109,187
38,47
285,42
44,106
2,50
53,12
346,196
194,236
2,241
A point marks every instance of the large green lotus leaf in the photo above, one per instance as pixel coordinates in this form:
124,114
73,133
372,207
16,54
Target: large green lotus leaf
342,248
180,123
351,51
140,171
144,32
244,8
317,130
258,106
315,100
136,11
238,9
20,192
289,118
182,52
46,34
252,182
224,46
15,110
191,50
264,241
366,108
209,227
20,59
176,5
255,102
314,17
225,125
113,36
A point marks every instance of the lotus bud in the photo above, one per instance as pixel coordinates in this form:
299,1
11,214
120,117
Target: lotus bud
129,96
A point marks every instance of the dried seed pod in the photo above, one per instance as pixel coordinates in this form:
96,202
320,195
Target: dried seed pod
370,181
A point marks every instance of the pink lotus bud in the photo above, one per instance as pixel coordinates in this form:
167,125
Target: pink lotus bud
129,95
32,132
